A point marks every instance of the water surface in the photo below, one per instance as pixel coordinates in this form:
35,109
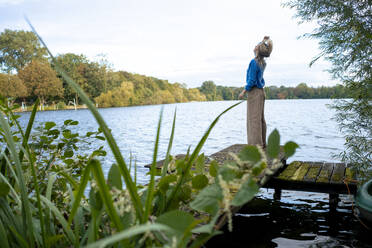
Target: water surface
300,219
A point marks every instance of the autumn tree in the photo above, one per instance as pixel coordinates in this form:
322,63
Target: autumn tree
12,87
18,48
41,80
344,32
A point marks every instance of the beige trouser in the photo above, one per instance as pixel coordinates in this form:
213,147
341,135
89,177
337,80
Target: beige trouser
256,125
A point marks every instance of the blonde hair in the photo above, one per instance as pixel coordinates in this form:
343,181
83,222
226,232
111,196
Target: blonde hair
264,49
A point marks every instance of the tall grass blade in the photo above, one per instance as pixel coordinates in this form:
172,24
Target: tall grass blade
133,231
106,131
24,149
3,236
18,237
12,190
66,227
51,180
26,213
195,154
151,186
105,193
11,169
166,161
80,192
30,123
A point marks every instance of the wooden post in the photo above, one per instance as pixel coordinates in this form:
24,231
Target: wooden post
333,201
277,194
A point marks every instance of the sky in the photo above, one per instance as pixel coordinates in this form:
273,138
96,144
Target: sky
185,41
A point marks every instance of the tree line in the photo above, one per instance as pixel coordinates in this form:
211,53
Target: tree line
215,92
28,74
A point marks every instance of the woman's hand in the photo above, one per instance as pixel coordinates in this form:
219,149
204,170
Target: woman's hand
241,95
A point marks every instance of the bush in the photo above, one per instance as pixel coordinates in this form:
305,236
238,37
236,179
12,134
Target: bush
61,105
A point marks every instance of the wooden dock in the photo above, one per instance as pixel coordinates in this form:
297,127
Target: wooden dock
321,177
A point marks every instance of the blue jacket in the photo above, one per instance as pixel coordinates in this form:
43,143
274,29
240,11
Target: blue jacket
254,76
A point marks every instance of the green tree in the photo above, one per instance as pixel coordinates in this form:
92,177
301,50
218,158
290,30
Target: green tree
18,48
41,80
345,33
74,66
209,89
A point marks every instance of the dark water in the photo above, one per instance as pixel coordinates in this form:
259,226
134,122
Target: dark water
300,219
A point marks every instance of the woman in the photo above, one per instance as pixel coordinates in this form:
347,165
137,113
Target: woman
256,125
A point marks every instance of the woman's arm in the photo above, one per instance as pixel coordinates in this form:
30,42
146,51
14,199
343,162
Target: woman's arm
241,95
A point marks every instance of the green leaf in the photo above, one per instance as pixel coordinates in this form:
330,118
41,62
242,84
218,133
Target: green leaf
49,125
100,137
90,134
165,182
199,164
114,177
100,153
68,161
246,192
127,233
227,173
213,168
250,153
258,168
273,144
68,153
66,122
207,228
290,148
95,200
177,220
208,199
199,181
74,123
4,189
67,133
185,193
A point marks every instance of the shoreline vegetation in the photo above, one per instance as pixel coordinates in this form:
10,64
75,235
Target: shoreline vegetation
32,74
19,109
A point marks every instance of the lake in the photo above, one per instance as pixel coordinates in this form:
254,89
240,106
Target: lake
307,122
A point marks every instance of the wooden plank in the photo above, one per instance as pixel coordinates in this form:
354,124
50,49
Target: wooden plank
300,172
290,170
325,173
349,175
338,173
336,188
313,172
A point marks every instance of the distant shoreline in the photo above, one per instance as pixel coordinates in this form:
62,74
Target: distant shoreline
79,107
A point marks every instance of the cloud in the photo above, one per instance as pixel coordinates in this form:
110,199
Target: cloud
186,41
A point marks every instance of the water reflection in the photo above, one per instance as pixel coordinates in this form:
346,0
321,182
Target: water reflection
299,219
